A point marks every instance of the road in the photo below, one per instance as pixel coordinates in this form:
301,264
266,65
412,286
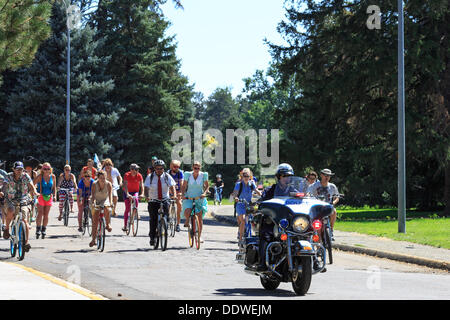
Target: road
130,269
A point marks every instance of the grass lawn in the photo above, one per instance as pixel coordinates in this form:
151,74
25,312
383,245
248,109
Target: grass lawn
433,232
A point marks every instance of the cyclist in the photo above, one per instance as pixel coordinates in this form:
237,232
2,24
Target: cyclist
151,168
3,177
328,190
157,186
66,181
113,175
177,174
46,185
29,163
89,167
16,188
195,184
84,192
219,187
243,190
101,195
133,189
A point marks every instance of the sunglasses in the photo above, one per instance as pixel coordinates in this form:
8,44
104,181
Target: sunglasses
46,169
159,169
246,176
176,167
196,168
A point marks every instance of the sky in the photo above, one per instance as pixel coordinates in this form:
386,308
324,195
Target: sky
220,42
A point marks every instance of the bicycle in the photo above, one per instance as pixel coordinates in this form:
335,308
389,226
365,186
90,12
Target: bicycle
133,219
194,225
66,206
101,227
161,229
172,217
249,210
18,231
87,215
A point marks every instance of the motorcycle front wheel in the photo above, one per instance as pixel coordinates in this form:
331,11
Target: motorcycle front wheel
302,280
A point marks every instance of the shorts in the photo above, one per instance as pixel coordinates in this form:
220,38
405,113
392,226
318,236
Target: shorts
200,205
45,203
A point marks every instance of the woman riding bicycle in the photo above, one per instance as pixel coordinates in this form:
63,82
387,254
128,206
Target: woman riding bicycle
84,192
243,190
66,181
195,185
102,197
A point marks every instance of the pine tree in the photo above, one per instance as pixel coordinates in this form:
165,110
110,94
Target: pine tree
37,104
149,85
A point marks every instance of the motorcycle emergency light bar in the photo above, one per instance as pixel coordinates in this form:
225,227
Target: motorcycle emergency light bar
297,194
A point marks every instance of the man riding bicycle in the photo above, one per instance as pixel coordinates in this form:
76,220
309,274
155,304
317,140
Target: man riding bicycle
157,186
16,189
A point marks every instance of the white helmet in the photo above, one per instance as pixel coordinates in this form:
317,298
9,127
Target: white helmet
284,169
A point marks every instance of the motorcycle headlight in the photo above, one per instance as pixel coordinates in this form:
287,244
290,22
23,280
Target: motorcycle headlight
300,224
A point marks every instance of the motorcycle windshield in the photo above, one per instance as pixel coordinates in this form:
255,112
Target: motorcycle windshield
286,185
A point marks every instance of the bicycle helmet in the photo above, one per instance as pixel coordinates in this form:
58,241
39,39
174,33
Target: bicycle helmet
159,163
284,169
218,176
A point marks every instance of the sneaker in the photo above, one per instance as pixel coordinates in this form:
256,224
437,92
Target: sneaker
186,224
324,270
80,229
152,242
177,229
124,229
201,240
27,247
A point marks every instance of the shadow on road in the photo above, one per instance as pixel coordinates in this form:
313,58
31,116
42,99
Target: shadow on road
253,292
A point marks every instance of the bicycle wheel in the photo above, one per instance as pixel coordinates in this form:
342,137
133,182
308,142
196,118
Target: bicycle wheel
327,243
172,220
85,220
13,245
89,221
191,231
197,232
163,233
135,222
21,234
101,235
66,212
158,232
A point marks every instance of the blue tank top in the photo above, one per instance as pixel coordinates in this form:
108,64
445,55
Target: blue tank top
46,186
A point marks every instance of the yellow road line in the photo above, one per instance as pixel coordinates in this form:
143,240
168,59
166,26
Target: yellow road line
60,282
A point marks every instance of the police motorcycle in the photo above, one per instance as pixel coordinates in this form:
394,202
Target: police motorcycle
295,251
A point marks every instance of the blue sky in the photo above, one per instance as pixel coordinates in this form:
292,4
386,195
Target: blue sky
220,42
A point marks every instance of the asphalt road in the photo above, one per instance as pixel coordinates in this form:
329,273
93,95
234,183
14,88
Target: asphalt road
130,269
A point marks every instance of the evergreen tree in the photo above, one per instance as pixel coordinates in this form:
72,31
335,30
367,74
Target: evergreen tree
37,104
149,85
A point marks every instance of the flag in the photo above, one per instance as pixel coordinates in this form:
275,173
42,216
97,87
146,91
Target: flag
96,161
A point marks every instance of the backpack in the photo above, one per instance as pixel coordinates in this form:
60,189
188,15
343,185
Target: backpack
241,186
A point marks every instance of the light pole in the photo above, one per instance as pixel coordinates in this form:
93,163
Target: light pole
401,124
73,19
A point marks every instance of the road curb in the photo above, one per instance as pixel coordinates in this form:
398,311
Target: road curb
435,264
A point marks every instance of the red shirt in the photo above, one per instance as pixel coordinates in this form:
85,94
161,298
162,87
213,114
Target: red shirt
93,171
133,183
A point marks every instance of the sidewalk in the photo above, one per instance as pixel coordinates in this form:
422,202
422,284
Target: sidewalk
22,283
370,245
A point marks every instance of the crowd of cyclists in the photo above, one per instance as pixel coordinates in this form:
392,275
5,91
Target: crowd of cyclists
100,187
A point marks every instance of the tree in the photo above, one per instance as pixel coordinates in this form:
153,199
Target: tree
344,113
37,104
149,85
23,26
